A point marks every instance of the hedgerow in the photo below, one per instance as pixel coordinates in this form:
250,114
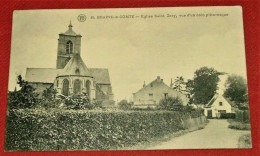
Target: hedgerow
52,129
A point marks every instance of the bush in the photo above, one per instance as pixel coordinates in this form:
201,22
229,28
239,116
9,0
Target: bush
124,105
227,115
39,130
243,116
245,141
26,97
171,104
239,125
77,102
49,99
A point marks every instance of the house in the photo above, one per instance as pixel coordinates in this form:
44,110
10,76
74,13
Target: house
71,75
151,94
218,104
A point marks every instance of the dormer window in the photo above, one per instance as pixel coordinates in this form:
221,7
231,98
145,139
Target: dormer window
69,47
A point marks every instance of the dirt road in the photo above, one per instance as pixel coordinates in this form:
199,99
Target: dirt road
215,135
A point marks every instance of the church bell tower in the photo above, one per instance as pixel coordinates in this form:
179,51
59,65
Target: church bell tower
68,44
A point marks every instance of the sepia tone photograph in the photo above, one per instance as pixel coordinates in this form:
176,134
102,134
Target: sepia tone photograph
128,79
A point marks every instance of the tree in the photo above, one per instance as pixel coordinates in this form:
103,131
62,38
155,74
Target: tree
236,89
204,84
123,104
26,97
179,84
170,103
189,90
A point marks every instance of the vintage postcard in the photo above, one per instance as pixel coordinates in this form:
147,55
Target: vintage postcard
128,79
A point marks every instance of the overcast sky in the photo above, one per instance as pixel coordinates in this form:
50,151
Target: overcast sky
134,50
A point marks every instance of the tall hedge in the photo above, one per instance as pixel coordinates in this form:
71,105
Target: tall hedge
30,129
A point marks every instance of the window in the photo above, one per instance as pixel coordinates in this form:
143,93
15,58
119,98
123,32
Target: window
88,83
57,83
77,87
220,104
69,47
65,87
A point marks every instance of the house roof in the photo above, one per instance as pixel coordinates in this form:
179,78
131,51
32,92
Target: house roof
154,83
42,75
214,98
76,66
48,75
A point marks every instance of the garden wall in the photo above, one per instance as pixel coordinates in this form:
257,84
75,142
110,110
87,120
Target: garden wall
39,130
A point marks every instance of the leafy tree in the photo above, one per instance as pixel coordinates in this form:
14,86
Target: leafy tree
26,97
170,103
204,84
236,89
125,105
49,99
179,84
189,90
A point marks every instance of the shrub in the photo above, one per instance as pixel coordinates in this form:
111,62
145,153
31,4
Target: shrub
77,102
30,129
243,116
245,141
124,105
26,97
227,115
171,104
49,99
239,125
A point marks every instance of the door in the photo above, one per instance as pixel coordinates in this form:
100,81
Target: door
209,113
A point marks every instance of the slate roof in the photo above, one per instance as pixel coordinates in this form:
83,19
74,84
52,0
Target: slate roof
48,75
76,64
42,75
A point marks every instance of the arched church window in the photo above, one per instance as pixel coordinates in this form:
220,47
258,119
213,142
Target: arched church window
65,87
69,47
77,87
88,83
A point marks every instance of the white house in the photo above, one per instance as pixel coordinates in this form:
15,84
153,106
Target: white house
152,93
218,104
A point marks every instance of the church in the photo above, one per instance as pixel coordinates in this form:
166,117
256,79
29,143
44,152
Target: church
71,75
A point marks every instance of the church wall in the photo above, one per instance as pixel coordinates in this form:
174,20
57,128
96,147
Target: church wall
40,87
59,84
108,90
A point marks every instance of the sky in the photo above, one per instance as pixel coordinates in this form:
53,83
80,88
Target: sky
134,49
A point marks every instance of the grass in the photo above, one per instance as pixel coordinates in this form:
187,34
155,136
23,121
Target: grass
245,141
239,125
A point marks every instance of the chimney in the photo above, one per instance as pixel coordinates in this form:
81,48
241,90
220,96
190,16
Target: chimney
171,83
158,78
144,84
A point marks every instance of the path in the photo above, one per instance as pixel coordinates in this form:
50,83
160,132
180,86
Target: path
215,135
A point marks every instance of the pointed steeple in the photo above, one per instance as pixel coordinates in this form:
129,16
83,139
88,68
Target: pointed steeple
70,31
70,26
